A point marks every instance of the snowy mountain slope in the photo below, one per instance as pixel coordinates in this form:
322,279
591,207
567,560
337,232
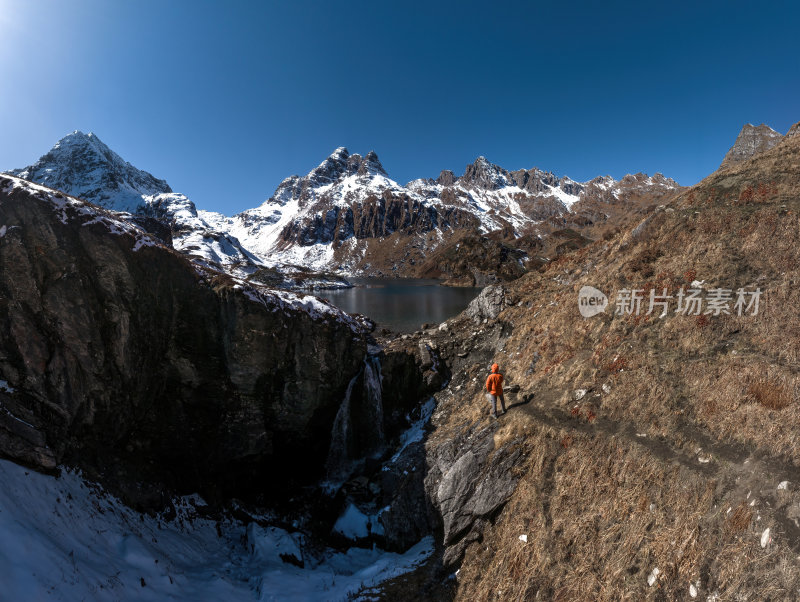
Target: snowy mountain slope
194,236
81,165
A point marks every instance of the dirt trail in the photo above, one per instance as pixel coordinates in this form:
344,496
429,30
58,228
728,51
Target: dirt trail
738,470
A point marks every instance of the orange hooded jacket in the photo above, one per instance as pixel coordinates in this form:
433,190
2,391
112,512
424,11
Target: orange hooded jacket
494,384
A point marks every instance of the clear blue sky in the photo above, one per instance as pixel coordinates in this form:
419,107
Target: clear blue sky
225,99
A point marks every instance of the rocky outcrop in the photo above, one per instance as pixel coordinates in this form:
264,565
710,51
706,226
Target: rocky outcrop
751,141
120,356
473,260
469,479
489,304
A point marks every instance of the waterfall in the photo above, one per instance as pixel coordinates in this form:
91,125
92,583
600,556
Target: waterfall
373,405
341,450
357,430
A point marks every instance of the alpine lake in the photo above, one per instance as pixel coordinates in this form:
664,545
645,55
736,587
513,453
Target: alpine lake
402,304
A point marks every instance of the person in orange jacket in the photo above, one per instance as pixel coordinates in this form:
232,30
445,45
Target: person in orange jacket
494,386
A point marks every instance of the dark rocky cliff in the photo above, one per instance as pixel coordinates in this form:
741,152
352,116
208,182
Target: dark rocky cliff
375,217
121,356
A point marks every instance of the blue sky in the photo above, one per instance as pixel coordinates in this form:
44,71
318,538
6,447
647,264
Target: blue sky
225,99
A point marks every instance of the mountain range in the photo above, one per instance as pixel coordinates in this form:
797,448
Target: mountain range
349,217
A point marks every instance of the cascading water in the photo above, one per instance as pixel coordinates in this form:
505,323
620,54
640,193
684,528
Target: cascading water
373,405
358,427
341,450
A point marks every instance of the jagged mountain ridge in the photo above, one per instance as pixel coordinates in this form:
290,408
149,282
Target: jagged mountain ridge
332,217
340,215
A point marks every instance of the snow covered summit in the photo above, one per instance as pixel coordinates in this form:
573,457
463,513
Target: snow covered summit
81,165
345,215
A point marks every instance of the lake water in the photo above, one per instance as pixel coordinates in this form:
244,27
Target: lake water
402,304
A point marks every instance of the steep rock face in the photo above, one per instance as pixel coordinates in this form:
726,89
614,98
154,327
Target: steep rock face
376,217
470,478
118,355
81,165
751,141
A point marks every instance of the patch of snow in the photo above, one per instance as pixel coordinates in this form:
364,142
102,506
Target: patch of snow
285,300
417,429
653,576
64,539
765,538
568,199
269,544
354,524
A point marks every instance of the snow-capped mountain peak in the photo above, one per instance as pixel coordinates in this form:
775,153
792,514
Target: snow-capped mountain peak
331,169
339,215
370,164
341,164
484,174
81,165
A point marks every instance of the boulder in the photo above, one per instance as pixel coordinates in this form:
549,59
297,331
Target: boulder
468,481
488,305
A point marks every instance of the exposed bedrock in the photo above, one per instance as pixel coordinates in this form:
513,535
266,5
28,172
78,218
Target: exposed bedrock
120,356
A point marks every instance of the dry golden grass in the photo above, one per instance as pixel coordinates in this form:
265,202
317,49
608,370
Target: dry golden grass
602,508
769,394
599,516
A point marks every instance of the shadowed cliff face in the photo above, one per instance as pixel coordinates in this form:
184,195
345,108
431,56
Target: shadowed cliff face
121,356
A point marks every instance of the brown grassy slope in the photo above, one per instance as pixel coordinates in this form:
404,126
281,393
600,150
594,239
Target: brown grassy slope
673,456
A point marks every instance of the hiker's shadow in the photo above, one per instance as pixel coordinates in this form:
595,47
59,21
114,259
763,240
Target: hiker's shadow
526,399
